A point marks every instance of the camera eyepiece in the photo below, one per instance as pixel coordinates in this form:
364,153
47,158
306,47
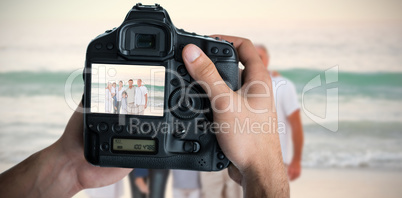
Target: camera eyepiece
145,41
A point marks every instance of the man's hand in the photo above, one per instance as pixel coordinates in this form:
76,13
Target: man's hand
71,145
254,150
59,170
142,186
294,170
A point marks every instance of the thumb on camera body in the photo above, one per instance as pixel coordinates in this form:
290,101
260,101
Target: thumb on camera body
203,70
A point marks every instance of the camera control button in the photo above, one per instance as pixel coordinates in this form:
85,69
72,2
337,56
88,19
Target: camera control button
188,146
102,127
98,46
109,46
220,166
226,51
105,146
182,70
175,82
196,147
185,103
191,147
221,156
117,128
214,50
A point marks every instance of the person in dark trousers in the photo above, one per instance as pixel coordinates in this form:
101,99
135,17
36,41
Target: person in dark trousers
138,183
157,182
151,183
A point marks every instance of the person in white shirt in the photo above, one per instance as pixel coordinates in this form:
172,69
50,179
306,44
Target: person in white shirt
141,98
290,128
130,97
119,93
113,92
108,98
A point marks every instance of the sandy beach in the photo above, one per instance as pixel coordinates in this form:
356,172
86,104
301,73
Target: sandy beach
354,183
331,183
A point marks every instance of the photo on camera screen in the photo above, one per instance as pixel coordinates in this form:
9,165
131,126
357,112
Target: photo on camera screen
127,89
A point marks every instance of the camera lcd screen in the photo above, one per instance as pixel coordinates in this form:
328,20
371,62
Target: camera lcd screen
134,145
127,89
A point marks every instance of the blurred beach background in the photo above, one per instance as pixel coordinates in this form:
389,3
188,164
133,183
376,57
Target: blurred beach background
43,45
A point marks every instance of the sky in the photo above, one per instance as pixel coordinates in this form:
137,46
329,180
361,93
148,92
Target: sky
284,10
49,32
151,74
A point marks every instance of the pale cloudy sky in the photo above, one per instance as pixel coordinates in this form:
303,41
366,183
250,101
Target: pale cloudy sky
49,32
276,10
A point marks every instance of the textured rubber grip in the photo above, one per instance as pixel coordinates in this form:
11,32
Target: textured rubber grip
229,72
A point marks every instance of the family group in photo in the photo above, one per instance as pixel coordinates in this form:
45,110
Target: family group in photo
132,100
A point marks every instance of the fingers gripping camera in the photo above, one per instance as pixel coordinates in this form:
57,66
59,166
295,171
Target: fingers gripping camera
141,107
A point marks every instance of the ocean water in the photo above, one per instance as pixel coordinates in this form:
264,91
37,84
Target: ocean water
369,120
35,111
35,106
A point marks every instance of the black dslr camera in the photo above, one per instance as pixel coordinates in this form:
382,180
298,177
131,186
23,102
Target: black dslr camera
141,107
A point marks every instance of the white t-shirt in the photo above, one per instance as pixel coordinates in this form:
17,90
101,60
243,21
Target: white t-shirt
113,90
130,94
286,102
140,95
108,101
119,94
